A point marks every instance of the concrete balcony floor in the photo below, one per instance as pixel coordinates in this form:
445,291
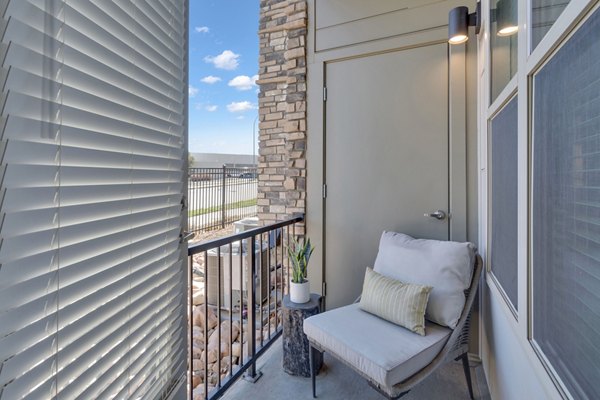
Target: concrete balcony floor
337,381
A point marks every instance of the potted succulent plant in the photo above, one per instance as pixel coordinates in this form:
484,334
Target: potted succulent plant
299,254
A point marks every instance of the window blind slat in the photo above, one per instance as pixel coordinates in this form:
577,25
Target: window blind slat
122,39
81,91
23,269
84,49
122,22
151,358
32,108
95,70
119,357
140,282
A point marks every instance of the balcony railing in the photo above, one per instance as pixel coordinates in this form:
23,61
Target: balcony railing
237,284
219,196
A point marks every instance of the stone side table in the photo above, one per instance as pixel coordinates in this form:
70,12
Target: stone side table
296,360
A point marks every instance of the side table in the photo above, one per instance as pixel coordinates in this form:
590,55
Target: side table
296,360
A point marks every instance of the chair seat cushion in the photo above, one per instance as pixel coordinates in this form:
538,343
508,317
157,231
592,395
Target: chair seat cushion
385,352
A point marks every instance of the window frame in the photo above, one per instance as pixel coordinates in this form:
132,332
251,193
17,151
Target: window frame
492,277
560,40
529,61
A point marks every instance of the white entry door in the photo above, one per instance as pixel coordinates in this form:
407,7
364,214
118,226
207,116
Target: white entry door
386,158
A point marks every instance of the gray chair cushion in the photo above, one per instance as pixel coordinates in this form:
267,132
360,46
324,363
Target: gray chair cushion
446,266
384,352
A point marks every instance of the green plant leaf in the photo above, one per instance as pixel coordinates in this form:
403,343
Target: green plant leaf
299,255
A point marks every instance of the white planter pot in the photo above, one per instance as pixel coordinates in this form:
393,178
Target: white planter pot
300,292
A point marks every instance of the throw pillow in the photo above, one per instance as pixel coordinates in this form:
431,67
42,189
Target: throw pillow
401,303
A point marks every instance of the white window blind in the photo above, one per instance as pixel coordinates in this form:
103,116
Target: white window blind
92,281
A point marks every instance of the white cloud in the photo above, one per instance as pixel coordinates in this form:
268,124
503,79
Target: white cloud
240,106
240,117
202,29
211,108
192,91
226,60
243,82
210,79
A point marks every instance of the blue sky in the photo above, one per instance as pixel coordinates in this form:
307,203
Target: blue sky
223,66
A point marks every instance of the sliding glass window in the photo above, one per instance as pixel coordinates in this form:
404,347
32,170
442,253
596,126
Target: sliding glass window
565,211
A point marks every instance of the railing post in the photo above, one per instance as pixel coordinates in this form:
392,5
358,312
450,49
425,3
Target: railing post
223,200
251,374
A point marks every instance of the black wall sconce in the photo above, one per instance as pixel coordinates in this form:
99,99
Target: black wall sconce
459,20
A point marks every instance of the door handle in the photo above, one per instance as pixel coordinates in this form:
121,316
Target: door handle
185,236
439,215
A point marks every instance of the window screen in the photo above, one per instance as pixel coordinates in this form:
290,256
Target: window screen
92,279
566,211
503,199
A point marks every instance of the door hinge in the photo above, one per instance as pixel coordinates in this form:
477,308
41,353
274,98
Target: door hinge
324,289
324,93
324,191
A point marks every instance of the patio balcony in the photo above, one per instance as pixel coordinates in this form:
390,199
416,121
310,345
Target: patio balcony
238,288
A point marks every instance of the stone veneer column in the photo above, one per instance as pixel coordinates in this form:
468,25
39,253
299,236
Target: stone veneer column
282,110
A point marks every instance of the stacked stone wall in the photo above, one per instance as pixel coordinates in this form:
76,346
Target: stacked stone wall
282,110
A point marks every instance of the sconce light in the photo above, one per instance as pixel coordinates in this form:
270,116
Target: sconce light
459,21
505,16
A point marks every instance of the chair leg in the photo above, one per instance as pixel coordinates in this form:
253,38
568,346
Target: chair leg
465,363
311,357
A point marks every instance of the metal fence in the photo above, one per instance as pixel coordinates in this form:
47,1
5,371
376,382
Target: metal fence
218,196
237,285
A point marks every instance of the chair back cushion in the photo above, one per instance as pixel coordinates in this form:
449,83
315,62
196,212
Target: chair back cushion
446,266
401,303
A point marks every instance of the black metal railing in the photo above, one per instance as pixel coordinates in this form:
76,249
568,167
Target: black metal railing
219,196
237,284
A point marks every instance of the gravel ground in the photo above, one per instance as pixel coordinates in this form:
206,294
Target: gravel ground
204,236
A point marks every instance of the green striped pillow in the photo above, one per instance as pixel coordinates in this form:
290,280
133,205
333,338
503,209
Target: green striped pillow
402,303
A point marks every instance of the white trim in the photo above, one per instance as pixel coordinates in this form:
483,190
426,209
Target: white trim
523,171
481,165
503,97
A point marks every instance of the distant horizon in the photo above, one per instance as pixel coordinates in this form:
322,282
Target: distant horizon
214,152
